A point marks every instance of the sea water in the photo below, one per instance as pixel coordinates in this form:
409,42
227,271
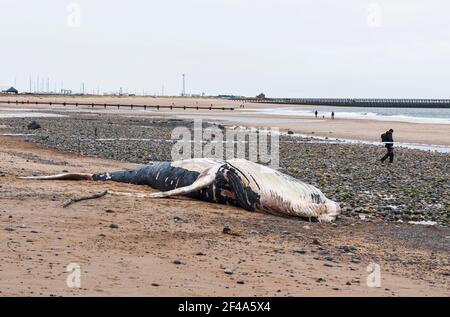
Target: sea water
414,115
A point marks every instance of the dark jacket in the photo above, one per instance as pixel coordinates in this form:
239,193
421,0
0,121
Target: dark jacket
390,140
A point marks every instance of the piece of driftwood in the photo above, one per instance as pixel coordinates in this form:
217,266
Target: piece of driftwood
83,198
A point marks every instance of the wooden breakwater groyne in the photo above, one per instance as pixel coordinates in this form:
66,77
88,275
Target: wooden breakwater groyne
93,105
349,102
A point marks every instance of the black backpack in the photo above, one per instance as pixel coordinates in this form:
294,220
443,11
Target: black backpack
384,138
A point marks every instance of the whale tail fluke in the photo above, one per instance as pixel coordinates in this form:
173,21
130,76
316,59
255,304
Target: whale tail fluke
61,177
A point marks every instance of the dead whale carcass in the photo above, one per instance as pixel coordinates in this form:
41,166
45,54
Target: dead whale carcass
236,182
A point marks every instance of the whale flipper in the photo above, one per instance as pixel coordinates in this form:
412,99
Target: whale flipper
206,178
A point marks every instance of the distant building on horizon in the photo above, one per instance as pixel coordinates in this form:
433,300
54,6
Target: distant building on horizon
261,96
11,90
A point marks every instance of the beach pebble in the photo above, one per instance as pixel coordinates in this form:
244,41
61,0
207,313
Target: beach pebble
228,271
320,280
347,249
33,125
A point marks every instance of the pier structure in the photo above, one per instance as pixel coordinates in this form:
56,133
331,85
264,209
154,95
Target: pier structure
351,102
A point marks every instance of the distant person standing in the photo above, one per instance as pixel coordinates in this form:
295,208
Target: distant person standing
316,113
332,115
388,139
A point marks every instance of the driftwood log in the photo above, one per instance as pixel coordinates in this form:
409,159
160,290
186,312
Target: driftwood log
83,198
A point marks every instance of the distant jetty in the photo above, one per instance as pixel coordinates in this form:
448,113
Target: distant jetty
342,102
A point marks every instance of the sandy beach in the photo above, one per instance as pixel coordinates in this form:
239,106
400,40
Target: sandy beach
178,247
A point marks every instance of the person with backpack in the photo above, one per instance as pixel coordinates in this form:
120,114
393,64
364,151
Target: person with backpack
388,139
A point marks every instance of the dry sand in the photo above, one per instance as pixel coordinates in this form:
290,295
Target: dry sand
355,129
138,257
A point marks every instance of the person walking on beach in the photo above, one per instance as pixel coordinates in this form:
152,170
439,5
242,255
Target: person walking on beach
316,113
388,139
332,115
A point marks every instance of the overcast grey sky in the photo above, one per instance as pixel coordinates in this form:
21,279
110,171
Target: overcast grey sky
285,48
